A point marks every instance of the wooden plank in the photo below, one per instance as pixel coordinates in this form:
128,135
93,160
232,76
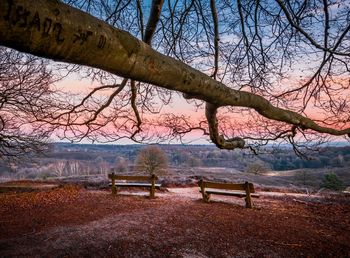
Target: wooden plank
133,178
135,184
238,194
230,193
228,186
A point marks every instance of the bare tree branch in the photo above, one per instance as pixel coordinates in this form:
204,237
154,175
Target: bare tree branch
216,37
156,10
311,40
261,47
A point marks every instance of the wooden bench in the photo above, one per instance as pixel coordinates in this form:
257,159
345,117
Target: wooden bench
239,190
134,181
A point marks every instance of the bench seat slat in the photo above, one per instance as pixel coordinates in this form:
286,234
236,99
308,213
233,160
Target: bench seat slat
231,193
131,184
134,178
225,186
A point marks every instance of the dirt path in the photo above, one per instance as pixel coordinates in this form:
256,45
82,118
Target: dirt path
72,222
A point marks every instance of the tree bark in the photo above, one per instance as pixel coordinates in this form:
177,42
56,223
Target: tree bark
54,30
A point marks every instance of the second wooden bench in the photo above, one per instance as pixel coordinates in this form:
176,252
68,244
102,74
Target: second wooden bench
134,181
238,190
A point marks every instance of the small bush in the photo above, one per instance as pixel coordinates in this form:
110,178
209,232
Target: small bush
331,181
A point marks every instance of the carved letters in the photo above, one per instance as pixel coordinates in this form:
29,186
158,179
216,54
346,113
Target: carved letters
35,22
81,36
48,27
57,30
23,18
101,42
20,17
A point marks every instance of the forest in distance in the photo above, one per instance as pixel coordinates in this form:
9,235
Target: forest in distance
69,160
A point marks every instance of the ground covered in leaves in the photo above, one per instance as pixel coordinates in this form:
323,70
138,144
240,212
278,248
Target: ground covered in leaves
69,221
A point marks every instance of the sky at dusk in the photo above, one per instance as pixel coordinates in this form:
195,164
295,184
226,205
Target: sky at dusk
75,84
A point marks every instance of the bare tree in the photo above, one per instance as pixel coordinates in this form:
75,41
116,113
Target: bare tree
24,96
260,71
101,165
86,168
152,160
121,165
59,168
74,167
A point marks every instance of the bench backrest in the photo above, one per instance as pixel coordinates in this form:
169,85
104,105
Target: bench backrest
132,178
226,186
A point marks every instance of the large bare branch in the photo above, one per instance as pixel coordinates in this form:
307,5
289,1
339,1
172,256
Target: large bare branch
57,31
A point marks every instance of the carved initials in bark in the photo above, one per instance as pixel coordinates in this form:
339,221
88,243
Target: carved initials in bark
21,17
35,23
57,30
101,42
81,36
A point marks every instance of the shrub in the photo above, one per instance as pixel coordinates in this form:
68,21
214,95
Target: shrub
257,167
331,181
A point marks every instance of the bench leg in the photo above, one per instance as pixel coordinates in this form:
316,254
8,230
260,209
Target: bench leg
114,188
206,197
152,192
248,198
248,202
153,187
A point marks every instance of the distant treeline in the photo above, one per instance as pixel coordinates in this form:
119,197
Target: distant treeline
210,156
70,159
